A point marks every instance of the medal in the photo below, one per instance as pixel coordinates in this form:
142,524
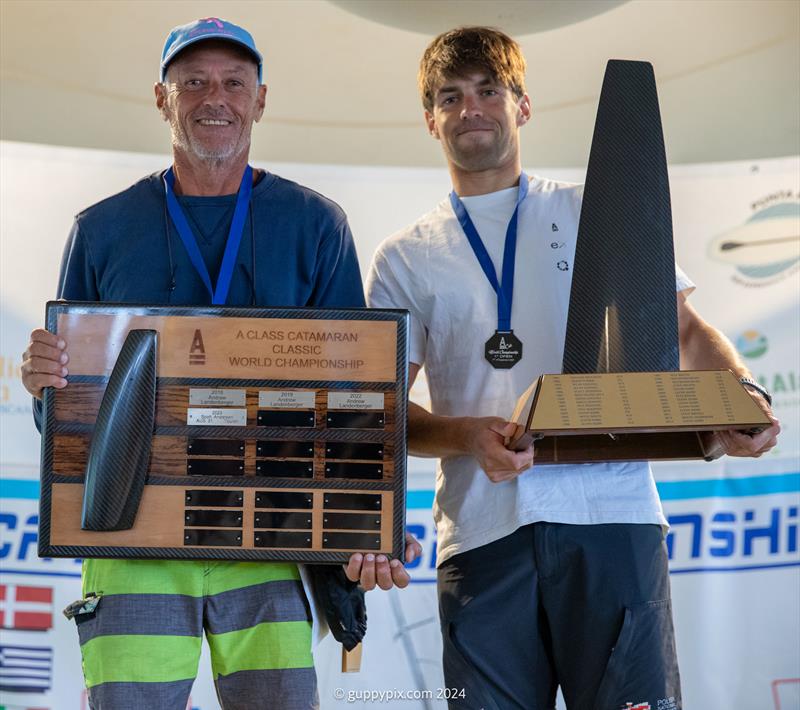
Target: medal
504,349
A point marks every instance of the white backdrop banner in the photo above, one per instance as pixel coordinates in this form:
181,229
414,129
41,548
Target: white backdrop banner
733,542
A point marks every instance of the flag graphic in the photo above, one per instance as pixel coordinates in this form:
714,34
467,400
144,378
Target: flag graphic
25,669
26,608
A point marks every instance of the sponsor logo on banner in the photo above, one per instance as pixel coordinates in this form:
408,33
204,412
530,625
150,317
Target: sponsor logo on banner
782,384
731,534
13,398
19,539
752,344
25,669
19,536
25,607
766,248
716,525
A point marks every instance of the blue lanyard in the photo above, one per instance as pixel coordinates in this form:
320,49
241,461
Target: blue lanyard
504,291
219,295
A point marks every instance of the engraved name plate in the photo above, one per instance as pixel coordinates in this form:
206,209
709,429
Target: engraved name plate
286,399
199,397
355,400
216,417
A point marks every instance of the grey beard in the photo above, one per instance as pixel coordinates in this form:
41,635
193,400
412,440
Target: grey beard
212,158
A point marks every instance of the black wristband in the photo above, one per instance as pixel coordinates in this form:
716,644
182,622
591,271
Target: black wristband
747,382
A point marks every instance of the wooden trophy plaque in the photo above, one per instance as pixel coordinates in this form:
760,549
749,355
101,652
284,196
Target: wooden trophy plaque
225,433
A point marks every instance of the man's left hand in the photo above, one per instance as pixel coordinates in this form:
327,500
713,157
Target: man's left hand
376,570
737,443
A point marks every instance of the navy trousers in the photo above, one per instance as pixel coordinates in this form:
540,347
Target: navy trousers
583,607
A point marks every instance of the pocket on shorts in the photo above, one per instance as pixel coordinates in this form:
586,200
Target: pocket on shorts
643,666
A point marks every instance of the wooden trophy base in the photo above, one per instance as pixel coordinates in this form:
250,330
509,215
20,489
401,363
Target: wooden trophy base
633,416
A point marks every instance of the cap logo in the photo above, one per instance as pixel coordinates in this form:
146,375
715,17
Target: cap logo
215,20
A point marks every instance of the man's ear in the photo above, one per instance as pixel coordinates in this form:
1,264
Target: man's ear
525,110
160,91
261,99
431,124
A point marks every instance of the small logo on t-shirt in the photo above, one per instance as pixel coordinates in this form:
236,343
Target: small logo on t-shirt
197,351
554,227
563,265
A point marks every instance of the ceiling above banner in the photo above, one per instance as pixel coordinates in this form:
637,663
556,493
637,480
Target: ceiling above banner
524,16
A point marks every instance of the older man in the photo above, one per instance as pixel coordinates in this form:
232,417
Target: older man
568,562
192,236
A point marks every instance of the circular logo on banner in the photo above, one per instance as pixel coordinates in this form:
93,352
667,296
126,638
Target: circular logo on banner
752,344
766,248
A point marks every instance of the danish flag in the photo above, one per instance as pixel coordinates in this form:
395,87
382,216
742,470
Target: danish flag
29,608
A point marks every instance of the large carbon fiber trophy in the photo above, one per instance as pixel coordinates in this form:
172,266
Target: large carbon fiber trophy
622,395
222,433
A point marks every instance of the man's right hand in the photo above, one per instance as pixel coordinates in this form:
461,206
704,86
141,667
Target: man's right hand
486,437
44,363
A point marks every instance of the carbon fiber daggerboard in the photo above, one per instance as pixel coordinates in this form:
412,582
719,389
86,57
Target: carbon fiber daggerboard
622,311
226,433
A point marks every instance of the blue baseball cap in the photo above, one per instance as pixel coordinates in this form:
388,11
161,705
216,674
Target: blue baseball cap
207,28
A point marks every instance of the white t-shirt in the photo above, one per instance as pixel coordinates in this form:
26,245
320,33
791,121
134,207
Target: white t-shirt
430,269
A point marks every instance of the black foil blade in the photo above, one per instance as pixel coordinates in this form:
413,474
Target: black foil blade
120,448
622,310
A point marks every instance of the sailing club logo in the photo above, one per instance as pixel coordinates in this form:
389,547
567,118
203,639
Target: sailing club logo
766,248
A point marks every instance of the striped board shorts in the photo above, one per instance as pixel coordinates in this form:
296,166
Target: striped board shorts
141,646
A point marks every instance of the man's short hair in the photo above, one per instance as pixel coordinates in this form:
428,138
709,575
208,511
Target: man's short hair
467,49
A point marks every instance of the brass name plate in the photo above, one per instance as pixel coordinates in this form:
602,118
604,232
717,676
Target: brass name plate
580,418
248,433
644,401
